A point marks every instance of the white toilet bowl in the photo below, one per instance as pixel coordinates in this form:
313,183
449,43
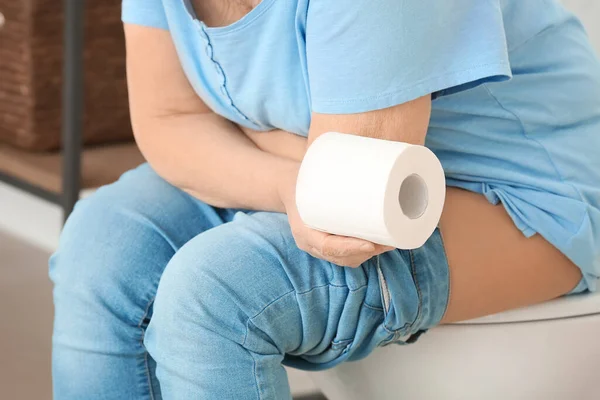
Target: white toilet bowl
549,351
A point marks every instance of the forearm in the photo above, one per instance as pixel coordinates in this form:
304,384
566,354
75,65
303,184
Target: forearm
211,158
279,142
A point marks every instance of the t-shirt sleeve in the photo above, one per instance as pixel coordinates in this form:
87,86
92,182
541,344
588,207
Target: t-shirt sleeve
149,13
364,55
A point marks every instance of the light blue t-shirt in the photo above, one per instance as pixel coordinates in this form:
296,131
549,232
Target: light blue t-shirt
516,88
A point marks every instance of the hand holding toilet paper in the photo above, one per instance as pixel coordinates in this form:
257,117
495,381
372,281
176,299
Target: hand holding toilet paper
386,192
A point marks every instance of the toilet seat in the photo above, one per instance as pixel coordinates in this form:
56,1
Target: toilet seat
564,307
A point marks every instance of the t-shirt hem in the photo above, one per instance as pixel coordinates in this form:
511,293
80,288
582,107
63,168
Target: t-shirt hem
132,13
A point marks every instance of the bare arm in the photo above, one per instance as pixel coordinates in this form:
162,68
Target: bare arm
279,142
185,142
406,122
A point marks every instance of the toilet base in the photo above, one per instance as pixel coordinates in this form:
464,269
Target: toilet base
552,359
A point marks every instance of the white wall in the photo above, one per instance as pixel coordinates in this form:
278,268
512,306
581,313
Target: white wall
589,12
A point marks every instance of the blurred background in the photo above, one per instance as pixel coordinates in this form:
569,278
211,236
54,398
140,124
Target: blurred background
64,131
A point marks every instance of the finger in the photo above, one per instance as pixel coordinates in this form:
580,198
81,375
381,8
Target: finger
346,260
350,262
359,259
339,261
342,246
315,239
354,261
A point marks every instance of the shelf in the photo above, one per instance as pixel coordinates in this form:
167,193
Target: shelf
100,165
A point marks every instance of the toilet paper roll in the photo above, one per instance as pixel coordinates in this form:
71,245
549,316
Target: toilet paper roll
387,192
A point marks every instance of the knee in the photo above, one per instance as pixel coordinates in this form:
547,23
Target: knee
221,279
138,194
107,235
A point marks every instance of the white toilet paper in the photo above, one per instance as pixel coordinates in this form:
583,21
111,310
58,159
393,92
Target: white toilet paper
386,192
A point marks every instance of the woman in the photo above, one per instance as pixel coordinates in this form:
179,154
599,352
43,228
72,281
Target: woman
193,276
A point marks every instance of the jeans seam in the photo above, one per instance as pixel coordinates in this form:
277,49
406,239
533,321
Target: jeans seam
146,365
146,311
367,305
332,285
383,287
270,303
255,374
293,291
150,387
298,294
449,276
404,327
302,293
385,292
418,287
336,286
263,310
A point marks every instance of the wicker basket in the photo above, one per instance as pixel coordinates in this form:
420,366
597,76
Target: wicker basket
31,49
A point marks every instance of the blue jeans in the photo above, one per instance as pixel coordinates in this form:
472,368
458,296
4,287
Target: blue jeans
159,295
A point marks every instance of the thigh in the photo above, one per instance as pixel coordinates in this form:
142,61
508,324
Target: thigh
249,272
493,266
111,256
238,299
